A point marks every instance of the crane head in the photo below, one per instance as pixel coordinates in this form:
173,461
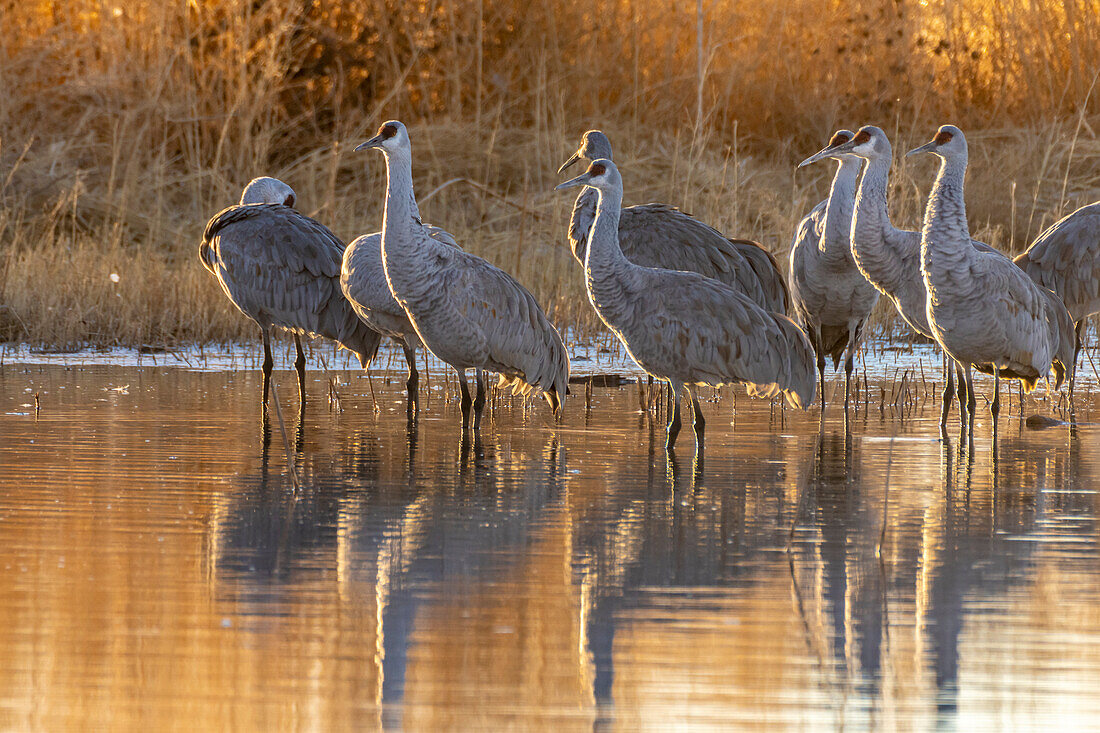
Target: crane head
839,138
594,145
601,175
391,136
949,140
869,142
267,190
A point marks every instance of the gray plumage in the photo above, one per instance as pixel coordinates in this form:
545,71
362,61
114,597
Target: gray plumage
282,269
262,190
268,190
467,312
684,328
363,282
1066,259
830,296
982,309
888,257
658,235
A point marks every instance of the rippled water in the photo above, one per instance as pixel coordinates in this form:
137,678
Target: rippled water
158,570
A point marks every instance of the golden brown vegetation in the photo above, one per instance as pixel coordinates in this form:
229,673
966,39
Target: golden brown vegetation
124,127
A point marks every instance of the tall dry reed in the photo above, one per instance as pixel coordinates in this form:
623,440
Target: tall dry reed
125,126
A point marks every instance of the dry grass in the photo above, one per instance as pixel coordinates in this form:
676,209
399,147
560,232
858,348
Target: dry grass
124,129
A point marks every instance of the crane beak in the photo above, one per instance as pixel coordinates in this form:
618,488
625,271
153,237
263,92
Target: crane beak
572,159
928,147
374,142
826,152
580,180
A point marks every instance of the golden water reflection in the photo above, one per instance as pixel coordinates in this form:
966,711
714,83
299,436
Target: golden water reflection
157,568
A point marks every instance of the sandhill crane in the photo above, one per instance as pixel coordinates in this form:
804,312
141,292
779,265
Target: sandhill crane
830,296
684,328
268,190
1066,259
889,258
363,280
468,313
282,269
658,235
982,309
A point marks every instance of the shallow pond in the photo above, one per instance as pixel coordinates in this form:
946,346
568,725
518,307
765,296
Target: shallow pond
158,569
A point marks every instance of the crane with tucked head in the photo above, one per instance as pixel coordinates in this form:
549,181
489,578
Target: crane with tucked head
982,309
1066,259
682,327
282,270
831,297
468,313
658,235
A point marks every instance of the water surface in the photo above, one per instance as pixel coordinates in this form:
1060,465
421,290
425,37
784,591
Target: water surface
157,568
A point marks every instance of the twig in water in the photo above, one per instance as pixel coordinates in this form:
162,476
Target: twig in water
286,440
1091,363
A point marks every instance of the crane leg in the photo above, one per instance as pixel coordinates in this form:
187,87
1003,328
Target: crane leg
466,401
1078,328
971,401
948,389
674,415
960,391
268,364
847,379
697,421
849,357
995,405
479,400
821,378
412,384
300,367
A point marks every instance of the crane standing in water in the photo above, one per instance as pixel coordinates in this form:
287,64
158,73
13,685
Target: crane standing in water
889,257
831,297
982,309
1066,259
282,270
684,328
363,280
658,235
468,313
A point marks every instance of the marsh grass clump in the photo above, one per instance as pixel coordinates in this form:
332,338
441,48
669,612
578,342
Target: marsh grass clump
124,127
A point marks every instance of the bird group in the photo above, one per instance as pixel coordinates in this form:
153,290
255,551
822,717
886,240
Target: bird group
691,306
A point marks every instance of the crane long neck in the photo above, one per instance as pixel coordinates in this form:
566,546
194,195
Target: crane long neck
871,216
871,223
608,274
945,237
837,231
400,201
945,226
401,216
